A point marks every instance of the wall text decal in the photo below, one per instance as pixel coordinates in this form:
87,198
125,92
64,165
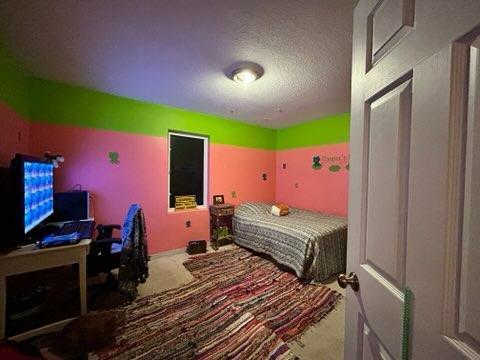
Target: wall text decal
335,162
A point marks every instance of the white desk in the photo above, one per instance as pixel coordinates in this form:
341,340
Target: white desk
30,258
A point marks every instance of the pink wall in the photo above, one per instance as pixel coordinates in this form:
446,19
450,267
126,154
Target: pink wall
321,190
240,169
14,132
141,176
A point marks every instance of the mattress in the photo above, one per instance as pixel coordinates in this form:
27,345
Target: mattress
310,243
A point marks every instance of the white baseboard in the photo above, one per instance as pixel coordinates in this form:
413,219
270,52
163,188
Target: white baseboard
167,253
184,250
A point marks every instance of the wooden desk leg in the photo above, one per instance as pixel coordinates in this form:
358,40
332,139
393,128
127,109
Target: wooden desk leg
82,271
3,305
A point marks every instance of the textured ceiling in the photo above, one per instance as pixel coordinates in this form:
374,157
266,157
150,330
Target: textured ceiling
175,52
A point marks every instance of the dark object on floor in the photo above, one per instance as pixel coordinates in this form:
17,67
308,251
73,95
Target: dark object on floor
197,247
238,303
89,332
23,309
15,351
129,254
222,241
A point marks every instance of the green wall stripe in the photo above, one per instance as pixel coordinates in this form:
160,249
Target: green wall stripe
52,102
333,129
13,82
57,103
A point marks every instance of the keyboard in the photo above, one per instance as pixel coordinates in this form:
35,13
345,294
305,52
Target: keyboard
69,233
85,228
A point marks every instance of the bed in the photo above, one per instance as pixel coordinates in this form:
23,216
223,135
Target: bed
310,243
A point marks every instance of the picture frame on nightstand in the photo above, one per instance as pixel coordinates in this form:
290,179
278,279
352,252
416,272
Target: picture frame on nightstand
218,199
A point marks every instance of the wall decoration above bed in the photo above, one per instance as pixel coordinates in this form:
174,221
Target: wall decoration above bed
336,162
316,163
334,168
316,178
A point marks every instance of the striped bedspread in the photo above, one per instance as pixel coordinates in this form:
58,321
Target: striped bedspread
310,243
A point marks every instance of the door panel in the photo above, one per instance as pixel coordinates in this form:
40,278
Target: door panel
428,202
437,23
382,309
469,308
389,21
372,348
411,195
461,323
387,182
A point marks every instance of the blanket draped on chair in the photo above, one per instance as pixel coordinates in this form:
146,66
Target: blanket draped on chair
134,259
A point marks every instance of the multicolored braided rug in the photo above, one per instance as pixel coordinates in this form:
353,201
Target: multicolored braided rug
240,306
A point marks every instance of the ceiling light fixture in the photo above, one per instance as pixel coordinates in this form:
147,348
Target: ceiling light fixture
245,73
244,76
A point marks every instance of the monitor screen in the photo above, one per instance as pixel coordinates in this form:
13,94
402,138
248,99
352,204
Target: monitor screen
38,193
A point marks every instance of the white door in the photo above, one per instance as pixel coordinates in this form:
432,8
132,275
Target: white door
414,211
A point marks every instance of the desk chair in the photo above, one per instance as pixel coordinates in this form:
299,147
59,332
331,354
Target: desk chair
129,253
105,251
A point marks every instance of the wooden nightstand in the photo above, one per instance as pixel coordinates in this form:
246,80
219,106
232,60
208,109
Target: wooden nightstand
221,225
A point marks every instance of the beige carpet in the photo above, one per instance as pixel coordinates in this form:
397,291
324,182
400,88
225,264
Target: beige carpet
322,341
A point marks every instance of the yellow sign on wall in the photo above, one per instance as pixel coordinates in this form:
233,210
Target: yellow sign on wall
185,202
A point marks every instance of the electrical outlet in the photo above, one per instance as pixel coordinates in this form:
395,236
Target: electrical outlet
284,165
264,177
188,224
234,194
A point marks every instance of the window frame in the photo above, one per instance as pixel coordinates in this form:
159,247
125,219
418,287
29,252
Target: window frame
206,142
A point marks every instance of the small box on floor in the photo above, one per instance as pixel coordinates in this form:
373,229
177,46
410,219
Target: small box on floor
197,247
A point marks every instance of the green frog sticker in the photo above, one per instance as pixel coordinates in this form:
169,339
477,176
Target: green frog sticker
316,163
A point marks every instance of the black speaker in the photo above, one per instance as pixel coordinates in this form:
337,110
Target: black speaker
197,247
72,205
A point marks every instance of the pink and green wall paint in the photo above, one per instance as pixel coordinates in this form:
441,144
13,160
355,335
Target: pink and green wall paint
37,115
319,184
14,129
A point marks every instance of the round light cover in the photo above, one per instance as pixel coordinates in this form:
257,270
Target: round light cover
244,76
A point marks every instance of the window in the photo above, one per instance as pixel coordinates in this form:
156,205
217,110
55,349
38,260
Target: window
188,167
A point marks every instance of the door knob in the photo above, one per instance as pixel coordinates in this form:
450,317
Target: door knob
352,280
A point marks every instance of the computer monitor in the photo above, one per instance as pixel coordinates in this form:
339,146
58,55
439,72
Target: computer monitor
33,193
